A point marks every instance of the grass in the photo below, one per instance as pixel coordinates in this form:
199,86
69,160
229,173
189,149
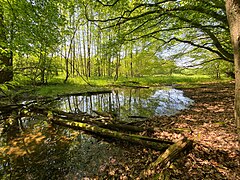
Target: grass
74,85
66,88
163,80
173,79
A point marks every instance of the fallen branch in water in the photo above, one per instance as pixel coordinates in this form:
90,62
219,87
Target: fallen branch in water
101,121
88,93
156,144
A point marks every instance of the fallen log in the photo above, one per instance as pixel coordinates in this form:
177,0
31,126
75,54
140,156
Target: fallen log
152,143
111,115
130,86
124,127
137,117
104,122
170,154
7,109
87,93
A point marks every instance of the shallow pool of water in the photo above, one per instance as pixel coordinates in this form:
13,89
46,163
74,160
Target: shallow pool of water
31,148
129,102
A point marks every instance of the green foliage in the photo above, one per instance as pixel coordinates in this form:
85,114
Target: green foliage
74,85
33,29
32,67
217,69
124,39
189,27
160,80
7,89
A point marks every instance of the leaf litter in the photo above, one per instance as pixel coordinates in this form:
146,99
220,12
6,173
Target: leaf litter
209,122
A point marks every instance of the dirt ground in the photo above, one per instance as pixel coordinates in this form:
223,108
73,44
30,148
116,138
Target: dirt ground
209,122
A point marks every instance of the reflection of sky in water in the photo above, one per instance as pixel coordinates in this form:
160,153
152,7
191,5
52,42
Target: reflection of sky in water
170,101
41,151
138,102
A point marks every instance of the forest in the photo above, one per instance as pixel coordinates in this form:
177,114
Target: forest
119,89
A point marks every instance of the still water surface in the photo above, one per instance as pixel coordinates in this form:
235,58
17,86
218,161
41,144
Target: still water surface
31,148
130,102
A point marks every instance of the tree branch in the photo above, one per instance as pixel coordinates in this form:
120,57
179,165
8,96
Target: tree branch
204,62
201,46
113,4
225,54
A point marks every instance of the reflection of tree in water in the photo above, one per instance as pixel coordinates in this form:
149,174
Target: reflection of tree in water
42,151
128,102
33,149
35,153
133,103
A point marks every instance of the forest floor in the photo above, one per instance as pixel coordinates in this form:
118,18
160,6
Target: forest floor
209,122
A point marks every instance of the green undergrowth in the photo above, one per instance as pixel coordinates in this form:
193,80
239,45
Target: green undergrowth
161,80
75,85
167,79
66,88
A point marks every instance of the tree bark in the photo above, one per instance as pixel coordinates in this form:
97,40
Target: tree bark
6,56
172,153
233,15
136,139
169,155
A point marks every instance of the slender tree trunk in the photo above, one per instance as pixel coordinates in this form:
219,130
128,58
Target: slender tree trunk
81,64
109,65
89,49
6,56
131,62
84,53
233,15
42,65
109,57
99,54
73,68
117,67
66,65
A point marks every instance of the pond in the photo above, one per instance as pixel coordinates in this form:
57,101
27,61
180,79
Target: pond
129,102
31,148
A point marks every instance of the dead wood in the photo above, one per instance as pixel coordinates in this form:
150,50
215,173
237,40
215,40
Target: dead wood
152,143
104,122
88,93
170,154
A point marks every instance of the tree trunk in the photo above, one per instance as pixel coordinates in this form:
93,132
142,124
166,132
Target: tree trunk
89,49
136,139
84,52
172,153
66,65
6,56
233,15
6,73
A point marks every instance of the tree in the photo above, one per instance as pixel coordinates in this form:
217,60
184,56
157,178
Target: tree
30,28
200,25
6,73
233,14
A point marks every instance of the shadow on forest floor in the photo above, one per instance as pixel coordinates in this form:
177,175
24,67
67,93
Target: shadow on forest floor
209,122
